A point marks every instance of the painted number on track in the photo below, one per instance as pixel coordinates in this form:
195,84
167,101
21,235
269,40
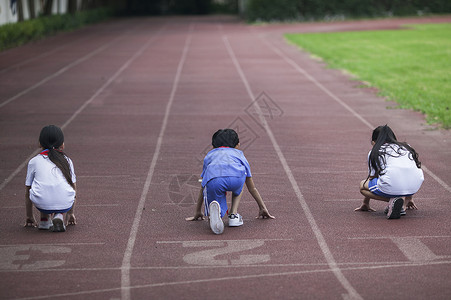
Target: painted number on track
27,257
219,252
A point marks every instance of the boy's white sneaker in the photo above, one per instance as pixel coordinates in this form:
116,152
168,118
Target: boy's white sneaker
58,223
235,220
216,224
45,225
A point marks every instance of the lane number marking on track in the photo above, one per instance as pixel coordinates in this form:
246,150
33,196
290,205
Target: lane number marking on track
412,247
209,256
224,252
26,257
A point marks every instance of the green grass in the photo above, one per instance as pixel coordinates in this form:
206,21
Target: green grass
411,66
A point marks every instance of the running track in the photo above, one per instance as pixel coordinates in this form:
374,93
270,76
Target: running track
139,99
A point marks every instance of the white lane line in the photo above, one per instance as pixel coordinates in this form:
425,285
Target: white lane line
59,72
443,259
436,178
352,293
360,199
343,200
233,278
221,241
126,262
76,113
103,176
18,169
66,68
342,103
82,39
394,237
42,55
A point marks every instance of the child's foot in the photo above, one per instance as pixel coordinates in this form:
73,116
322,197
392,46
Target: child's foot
235,220
402,213
216,224
45,224
58,223
394,208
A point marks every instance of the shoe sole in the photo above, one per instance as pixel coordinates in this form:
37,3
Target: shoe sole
216,224
58,225
44,227
235,223
394,208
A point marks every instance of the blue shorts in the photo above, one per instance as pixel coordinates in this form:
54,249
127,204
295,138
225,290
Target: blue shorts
372,185
54,211
217,188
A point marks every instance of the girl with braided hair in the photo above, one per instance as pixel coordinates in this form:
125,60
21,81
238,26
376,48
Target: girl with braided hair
50,183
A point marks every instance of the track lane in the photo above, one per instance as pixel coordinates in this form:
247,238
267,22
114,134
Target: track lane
278,258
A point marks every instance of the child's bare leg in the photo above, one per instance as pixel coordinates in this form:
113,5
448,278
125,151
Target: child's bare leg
45,216
236,202
30,221
365,191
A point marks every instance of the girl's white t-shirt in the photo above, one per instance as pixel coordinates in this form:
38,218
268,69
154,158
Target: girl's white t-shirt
49,188
401,175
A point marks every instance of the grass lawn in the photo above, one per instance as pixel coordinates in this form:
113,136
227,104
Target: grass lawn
411,66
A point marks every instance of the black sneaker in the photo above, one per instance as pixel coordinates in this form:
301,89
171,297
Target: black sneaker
395,208
402,213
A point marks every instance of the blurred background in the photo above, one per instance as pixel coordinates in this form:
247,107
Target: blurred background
251,10
22,21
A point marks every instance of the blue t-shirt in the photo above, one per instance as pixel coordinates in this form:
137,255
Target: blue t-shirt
222,162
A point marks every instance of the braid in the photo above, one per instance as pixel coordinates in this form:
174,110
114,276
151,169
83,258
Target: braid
60,160
52,138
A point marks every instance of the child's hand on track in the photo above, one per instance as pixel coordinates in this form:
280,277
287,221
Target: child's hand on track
264,214
411,205
198,216
30,222
70,219
364,207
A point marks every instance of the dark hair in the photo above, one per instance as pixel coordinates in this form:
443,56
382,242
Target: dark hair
52,138
225,138
384,135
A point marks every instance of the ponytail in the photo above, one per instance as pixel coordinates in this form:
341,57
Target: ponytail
52,138
59,159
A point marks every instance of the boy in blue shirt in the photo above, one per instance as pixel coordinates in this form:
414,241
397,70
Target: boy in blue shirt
225,170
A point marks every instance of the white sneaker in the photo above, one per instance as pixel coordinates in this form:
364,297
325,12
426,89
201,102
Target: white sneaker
45,225
58,223
235,220
216,224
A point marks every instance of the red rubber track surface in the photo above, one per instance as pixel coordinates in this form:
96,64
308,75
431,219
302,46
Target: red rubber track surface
139,99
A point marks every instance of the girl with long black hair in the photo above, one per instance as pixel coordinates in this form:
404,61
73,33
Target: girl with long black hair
394,172
50,183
